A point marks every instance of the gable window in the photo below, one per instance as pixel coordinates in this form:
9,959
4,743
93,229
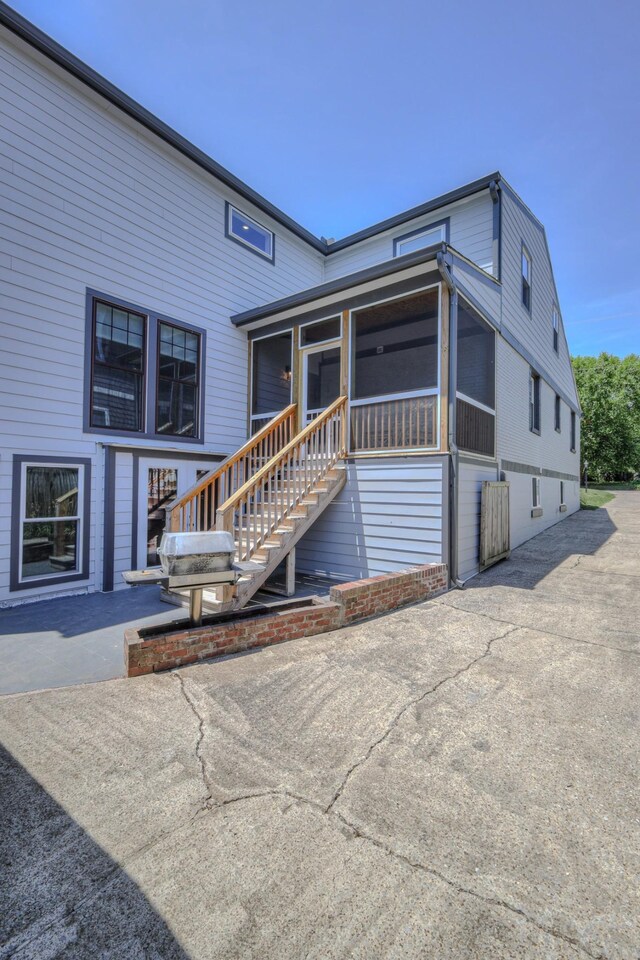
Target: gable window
178,376
51,516
573,432
534,402
526,278
247,231
419,239
143,373
117,382
555,323
556,415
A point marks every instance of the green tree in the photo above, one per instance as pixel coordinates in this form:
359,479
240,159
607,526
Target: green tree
609,391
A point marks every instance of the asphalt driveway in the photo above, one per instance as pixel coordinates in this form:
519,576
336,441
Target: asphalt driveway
457,779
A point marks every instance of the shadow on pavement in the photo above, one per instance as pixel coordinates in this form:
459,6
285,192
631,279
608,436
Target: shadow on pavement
60,893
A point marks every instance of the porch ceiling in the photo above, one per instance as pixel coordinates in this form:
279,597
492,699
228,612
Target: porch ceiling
331,293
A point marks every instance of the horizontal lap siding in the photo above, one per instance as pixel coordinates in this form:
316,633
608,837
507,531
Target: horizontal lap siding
471,226
390,515
471,477
88,198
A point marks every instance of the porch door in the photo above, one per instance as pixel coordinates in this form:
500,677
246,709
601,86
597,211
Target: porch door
320,380
161,480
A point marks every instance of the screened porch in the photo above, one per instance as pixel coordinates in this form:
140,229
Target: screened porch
389,358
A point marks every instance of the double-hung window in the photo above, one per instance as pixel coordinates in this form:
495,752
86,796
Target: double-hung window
526,278
557,413
534,402
144,372
555,323
245,230
118,370
50,509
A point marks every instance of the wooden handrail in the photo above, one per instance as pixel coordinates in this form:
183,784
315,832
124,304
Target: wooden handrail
296,441
257,508
183,513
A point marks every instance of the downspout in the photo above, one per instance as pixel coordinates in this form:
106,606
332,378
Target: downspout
445,273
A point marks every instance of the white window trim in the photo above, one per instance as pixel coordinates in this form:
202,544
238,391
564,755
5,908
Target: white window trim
535,498
259,226
79,517
440,228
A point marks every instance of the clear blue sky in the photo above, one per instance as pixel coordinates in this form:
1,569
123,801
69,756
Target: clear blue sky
343,112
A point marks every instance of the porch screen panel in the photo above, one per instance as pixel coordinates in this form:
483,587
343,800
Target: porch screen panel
476,357
395,347
271,375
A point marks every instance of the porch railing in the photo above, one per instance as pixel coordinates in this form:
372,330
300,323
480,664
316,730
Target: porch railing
399,424
256,510
196,509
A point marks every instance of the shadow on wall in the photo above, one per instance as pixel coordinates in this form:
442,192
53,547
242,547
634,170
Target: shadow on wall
60,893
583,533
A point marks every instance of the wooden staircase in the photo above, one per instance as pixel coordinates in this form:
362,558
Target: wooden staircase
267,495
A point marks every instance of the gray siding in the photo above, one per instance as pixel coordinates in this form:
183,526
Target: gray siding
471,476
390,515
88,198
471,232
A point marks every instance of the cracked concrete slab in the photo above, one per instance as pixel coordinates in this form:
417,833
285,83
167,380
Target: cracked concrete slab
455,780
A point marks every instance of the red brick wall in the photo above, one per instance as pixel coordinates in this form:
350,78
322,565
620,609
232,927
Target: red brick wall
348,602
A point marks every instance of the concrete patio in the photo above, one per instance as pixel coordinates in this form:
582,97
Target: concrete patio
454,780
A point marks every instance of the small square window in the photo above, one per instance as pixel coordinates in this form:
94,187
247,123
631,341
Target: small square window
249,233
526,278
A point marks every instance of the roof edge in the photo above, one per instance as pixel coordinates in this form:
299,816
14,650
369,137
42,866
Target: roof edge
375,272
36,38
466,190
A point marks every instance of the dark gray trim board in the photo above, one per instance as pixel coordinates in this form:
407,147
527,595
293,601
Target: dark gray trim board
14,563
376,272
109,518
152,319
467,190
510,466
350,303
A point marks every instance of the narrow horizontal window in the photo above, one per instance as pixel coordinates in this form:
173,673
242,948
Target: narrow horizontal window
249,232
526,278
419,239
178,381
118,362
312,333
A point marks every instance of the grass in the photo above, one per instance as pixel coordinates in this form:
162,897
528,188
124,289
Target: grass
592,499
627,485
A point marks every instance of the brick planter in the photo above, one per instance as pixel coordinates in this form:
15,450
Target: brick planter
150,649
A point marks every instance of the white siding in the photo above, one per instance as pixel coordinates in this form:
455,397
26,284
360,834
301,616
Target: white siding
88,198
481,291
516,443
471,232
533,330
390,515
470,479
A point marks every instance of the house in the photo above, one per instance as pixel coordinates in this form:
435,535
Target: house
156,312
